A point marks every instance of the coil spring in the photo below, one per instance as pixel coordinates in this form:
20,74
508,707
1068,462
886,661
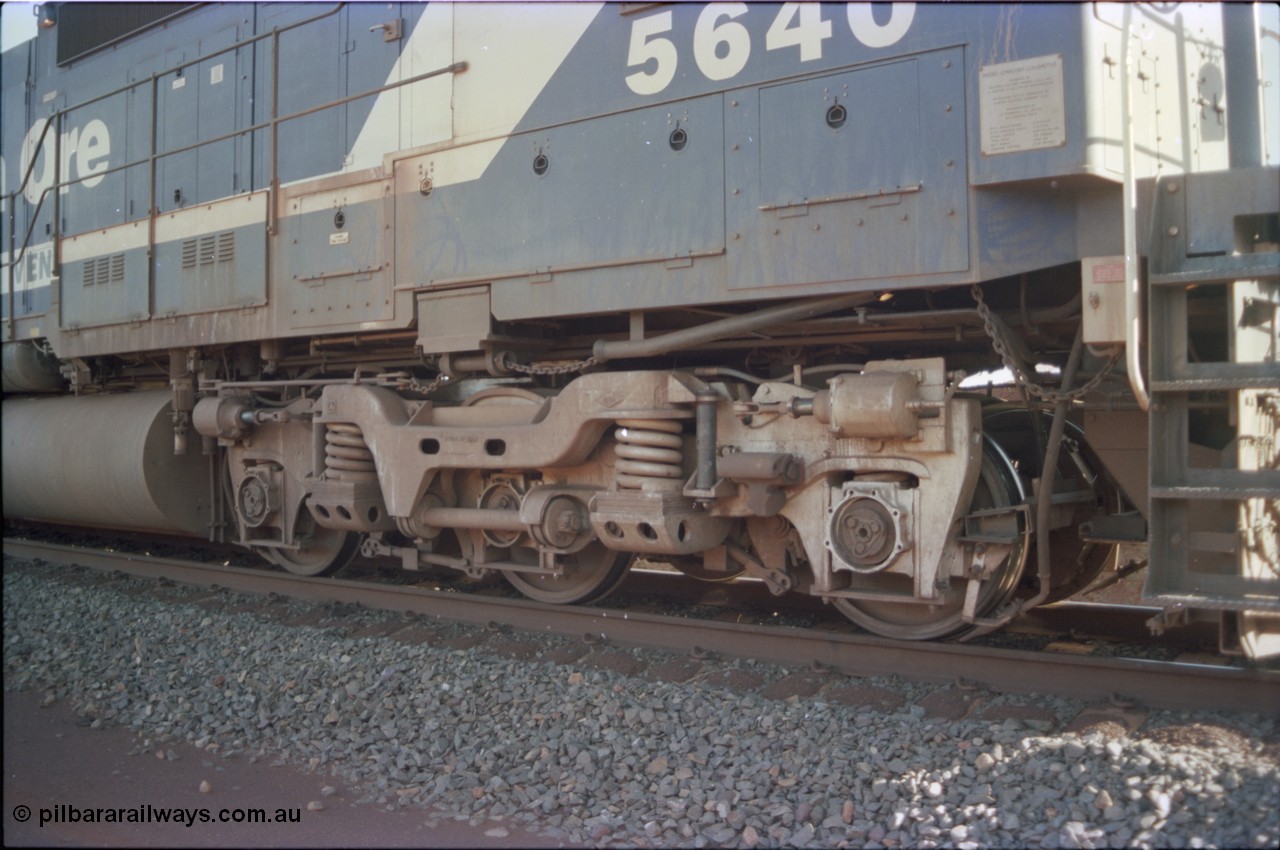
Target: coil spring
649,454
346,454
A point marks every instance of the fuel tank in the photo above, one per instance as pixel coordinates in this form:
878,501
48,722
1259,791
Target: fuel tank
26,369
103,460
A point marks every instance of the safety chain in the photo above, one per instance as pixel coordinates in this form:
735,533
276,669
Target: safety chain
427,389
508,361
405,382
1020,377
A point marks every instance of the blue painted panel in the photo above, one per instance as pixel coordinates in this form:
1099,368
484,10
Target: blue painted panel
311,64
614,190
337,270
28,302
1023,228
32,278
884,195
197,102
105,290
322,250
226,268
135,142
15,118
219,89
20,112
177,98
34,269
876,148
98,201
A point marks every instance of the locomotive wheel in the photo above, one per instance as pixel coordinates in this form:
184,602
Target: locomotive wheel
589,575
998,486
328,550
1074,563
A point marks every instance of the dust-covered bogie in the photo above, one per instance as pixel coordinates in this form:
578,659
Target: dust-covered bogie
874,492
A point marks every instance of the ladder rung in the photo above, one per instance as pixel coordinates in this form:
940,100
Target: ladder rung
1187,377
1264,482
1187,385
1225,273
1223,493
1240,602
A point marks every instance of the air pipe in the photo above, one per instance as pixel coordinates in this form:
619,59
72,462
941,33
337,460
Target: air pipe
605,350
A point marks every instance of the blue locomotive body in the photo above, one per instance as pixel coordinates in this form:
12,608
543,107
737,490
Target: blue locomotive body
926,138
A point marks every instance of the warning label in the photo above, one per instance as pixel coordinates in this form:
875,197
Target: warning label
1108,273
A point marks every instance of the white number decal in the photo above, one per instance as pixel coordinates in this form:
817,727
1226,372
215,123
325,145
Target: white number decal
643,48
709,34
722,45
867,31
808,33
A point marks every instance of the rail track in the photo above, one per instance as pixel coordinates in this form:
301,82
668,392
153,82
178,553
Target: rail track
1178,684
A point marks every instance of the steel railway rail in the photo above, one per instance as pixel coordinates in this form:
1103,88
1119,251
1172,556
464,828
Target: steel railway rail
1178,685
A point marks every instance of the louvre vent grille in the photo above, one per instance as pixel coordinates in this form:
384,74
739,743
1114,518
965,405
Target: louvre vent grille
209,249
104,270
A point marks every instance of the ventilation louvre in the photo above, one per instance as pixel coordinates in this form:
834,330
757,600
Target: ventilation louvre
104,270
209,249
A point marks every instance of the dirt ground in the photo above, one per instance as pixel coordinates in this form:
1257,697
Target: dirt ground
52,761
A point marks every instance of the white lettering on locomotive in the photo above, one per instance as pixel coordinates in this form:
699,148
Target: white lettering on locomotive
85,154
722,44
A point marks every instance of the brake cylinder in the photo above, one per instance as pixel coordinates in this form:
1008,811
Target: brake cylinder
871,405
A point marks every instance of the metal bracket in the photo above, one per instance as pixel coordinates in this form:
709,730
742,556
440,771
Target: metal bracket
987,557
777,581
1115,528
391,31
408,555
990,525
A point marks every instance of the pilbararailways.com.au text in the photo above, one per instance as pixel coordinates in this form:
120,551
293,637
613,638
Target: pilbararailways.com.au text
64,813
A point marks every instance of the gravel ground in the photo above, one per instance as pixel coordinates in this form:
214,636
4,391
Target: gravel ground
611,747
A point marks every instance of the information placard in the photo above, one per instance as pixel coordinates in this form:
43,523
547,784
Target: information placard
1022,106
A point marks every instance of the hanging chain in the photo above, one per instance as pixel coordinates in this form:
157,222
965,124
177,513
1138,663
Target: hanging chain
1024,381
405,382
509,362
427,389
